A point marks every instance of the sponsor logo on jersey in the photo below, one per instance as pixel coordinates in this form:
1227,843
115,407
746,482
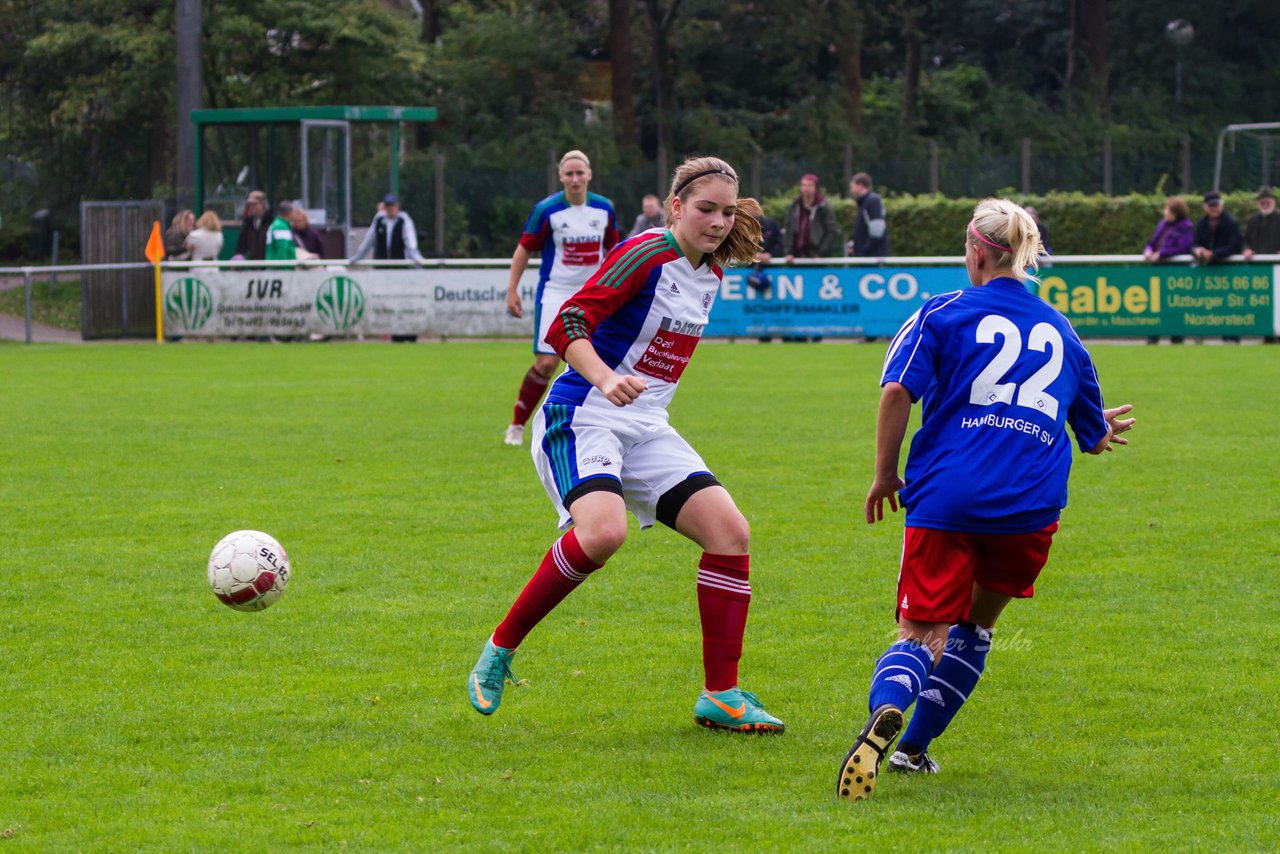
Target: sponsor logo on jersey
674,289
581,251
669,352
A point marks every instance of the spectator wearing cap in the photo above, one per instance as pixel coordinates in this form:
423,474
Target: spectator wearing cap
811,223
1262,230
1217,234
392,235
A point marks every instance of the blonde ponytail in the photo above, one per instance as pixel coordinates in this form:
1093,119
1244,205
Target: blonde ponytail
744,238
1010,234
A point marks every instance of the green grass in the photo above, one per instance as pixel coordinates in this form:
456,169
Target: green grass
58,306
1133,704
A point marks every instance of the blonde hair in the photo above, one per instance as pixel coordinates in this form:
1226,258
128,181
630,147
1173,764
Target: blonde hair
1010,234
209,221
743,241
575,154
180,217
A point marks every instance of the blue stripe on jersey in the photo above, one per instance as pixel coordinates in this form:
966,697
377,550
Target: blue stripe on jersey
617,332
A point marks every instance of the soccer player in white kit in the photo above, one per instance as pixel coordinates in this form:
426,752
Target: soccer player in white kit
571,230
602,443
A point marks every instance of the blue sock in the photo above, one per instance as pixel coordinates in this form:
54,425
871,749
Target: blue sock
950,684
900,673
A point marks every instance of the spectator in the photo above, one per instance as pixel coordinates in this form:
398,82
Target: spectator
810,224
1217,232
308,239
392,235
1045,248
770,246
1262,231
871,230
251,245
175,236
205,242
280,245
651,216
1175,233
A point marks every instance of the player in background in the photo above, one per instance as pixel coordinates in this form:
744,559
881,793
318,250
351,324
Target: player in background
1000,374
602,443
572,230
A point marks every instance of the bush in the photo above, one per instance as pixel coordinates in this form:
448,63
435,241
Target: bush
1079,224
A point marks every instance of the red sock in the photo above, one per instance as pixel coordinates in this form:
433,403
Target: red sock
563,569
531,391
723,598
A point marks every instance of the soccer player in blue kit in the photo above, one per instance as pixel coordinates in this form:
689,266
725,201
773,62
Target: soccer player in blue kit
1000,374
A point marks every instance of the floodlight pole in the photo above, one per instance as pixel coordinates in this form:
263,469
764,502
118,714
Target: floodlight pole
187,25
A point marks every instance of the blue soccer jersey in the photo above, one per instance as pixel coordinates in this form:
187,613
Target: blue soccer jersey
1000,374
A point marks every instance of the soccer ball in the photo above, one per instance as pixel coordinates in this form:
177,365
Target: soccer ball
248,570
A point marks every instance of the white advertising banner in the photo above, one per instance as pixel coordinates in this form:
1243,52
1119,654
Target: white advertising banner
344,301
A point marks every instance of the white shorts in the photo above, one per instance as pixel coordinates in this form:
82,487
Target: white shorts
647,457
549,304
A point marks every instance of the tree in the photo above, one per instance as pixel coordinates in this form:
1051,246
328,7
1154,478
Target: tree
623,79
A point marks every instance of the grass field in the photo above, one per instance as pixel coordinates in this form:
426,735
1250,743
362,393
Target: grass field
1131,705
58,306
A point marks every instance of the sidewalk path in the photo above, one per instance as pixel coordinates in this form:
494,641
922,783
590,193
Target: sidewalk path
13,328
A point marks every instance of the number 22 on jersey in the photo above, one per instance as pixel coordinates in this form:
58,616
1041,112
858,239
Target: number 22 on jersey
987,388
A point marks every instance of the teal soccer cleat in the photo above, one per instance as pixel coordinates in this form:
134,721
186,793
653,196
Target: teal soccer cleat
736,710
489,677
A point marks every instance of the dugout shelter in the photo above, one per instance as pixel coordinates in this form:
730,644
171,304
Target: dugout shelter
304,153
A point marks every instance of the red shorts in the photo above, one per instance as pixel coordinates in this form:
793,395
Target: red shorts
939,569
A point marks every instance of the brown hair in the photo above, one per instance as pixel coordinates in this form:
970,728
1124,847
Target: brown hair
743,240
1178,207
862,178
1003,222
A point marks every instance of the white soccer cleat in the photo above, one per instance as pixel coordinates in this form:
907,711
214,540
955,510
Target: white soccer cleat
901,763
514,435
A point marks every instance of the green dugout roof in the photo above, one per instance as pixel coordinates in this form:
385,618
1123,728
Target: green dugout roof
268,115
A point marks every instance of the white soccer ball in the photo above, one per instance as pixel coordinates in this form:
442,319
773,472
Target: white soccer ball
248,570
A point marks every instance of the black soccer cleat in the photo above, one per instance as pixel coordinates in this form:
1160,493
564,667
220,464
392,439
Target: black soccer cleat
857,778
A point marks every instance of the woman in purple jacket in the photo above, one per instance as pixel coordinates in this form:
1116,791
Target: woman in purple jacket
1174,235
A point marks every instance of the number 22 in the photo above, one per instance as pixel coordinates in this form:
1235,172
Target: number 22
987,388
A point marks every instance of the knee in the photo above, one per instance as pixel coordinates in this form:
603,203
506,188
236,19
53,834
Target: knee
600,541
733,534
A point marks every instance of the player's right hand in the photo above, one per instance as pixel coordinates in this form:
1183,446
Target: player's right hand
621,390
514,307
882,489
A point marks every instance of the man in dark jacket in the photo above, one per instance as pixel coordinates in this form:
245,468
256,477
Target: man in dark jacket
1217,232
1262,230
811,223
871,230
251,245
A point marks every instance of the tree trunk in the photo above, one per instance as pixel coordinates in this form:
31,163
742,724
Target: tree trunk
660,22
911,67
1095,33
624,74
849,26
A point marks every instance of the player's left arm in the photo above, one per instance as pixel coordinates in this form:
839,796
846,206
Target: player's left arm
891,429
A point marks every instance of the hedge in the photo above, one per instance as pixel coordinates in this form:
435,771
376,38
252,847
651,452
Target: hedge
1079,224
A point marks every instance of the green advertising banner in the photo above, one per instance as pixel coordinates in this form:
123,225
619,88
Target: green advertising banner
1128,302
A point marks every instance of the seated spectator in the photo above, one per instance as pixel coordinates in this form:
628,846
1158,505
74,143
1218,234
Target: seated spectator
310,243
1044,230
650,216
175,236
205,242
811,223
1174,235
1217,234
1262,231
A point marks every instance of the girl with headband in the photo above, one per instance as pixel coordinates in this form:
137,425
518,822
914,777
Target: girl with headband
602,444
1000,374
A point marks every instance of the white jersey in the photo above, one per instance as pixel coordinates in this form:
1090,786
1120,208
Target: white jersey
644,311
571,240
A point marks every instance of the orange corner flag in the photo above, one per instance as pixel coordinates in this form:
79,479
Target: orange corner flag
155,246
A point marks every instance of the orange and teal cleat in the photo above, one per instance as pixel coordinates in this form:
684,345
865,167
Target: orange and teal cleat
736,710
